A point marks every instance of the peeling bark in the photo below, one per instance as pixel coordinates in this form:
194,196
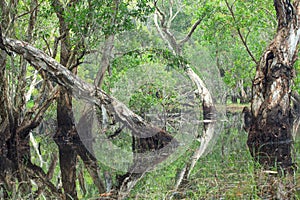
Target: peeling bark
270,133
209,110
78,88
81,89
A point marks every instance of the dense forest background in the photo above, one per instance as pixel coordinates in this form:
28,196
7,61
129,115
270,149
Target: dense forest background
165,75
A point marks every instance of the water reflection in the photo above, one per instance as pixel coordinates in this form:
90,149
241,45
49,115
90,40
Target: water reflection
228,171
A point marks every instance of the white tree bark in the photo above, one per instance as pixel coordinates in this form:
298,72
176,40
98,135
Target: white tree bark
270,133
204,93
176,47
209,110
81,89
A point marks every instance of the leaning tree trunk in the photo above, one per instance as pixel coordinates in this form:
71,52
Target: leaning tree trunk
209,109
78,88
176,46
270,131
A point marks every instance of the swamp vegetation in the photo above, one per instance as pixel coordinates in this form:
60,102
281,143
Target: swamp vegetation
142,99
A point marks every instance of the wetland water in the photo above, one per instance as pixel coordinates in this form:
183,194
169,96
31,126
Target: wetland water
228,170
223,170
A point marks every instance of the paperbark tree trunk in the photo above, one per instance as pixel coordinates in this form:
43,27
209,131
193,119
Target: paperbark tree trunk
67,138
270,133
176,46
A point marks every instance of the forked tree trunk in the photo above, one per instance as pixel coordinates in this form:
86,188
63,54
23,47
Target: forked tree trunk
64,138
209,110
270,133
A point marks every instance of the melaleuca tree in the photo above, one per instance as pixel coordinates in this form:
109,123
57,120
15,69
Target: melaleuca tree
66,31
236,35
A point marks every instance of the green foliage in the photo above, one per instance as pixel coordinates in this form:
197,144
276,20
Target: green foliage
296,85
143,76
256,23
150,95
159,55
136,58
227,172
96,18
144,98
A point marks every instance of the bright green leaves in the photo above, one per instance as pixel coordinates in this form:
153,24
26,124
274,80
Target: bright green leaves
106,16
296,85
140,9
231,30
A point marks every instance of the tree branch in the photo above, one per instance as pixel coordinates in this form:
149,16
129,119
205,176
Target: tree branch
170,38
85,91
105,59
188,36
47,45
240,33
49,174
38,174
29,12
30,123
161,32
56,41
162,14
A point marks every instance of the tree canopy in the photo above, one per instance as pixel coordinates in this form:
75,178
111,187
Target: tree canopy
147,78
